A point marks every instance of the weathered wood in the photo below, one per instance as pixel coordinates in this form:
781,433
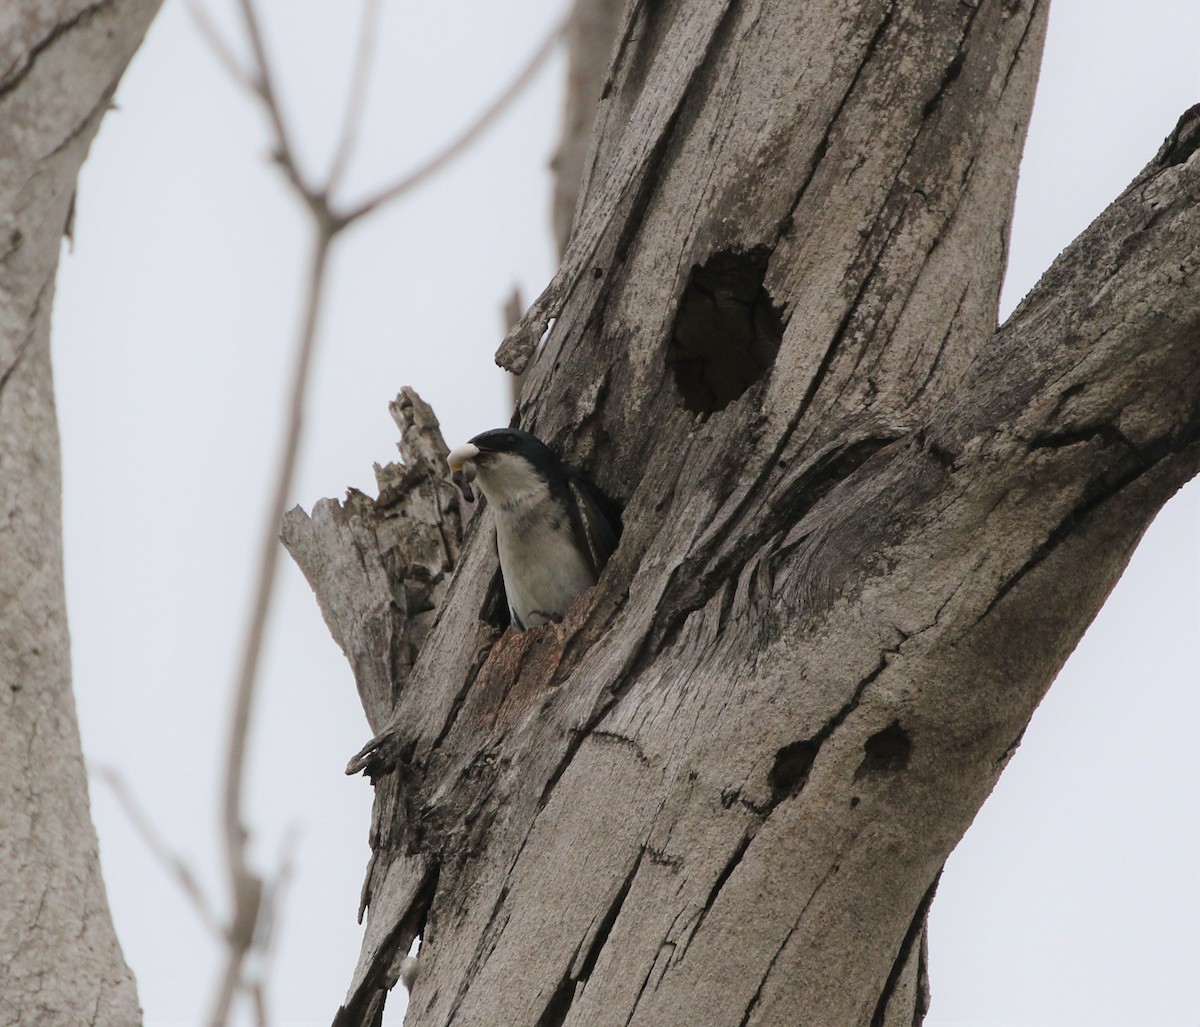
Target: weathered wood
380,569
863,528
62,963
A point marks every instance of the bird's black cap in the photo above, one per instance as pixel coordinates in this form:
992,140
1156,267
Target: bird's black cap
522,443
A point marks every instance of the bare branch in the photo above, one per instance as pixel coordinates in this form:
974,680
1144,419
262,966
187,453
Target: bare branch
219,45
246,886
264,87
173,864
252,914
356,100
473,131
253,903
273,901
264,941
259,998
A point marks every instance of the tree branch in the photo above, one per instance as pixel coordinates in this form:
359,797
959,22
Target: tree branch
246,925
467,137
356,99
380,568
263,83
219,46
173,864
247,887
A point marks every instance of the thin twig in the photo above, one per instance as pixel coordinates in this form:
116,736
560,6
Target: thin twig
356,99
246,887
264,941
318,200
264,85
472,132
223,51
259,998
172,863
254,906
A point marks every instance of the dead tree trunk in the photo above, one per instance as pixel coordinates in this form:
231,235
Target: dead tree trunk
863,530
62,964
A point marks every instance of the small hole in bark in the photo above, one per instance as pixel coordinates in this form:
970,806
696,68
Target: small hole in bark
727,331
886,751
790,773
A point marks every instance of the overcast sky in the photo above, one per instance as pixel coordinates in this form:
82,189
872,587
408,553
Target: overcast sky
1074,898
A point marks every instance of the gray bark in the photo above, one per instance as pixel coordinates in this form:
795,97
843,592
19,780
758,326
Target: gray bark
62,964
863,530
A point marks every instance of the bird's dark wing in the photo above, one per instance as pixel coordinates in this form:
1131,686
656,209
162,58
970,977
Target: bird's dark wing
592,524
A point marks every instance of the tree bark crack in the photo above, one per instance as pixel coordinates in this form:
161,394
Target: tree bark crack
600,939
806,564
1107,432
521,342
915,929
87,123
722,879
951,325
25,67
1098,492
785,224
757,997
17,357
1019,50
709,567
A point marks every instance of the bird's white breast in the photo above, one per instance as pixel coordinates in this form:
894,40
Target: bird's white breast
553,571
540,559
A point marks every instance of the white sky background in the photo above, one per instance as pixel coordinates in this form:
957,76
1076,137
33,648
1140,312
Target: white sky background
1075,897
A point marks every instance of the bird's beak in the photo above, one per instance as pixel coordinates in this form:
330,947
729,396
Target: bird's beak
462,468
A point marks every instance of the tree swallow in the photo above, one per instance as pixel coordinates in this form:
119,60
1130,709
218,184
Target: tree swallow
552,533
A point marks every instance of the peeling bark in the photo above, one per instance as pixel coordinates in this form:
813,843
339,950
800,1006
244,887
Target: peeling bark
62,963
722,790
380,568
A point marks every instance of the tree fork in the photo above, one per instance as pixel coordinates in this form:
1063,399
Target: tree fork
721,791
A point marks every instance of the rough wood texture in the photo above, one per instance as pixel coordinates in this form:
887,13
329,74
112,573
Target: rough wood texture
863,530
62,964
380,569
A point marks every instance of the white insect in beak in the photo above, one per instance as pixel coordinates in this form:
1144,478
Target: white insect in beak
462,468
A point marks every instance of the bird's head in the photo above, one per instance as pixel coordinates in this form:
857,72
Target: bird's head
508,463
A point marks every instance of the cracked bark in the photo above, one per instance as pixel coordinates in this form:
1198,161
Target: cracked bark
722,790
59,66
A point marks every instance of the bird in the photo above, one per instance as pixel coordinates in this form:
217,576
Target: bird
553,532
